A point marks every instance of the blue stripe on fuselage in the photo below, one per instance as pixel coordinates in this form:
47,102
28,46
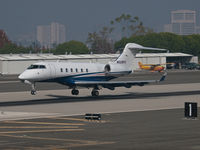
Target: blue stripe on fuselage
71,79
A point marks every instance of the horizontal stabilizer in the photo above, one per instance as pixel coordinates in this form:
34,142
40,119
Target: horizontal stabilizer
138,47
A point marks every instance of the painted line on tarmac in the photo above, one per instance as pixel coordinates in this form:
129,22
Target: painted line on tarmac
77,119
3,82
72,119
38,127
41,131
45,123
78,143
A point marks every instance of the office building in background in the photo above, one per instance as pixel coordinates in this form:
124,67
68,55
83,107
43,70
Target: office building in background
43,36
51,35
183,22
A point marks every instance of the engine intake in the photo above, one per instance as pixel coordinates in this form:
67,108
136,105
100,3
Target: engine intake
107,68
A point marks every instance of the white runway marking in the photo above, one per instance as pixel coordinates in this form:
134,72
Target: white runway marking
8,115
4,82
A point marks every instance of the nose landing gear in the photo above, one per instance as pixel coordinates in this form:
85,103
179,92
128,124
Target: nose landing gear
33,90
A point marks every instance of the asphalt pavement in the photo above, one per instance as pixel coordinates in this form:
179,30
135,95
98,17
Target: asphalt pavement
142,118
148,130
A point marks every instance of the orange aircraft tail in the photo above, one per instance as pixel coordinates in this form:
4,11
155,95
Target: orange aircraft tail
140,64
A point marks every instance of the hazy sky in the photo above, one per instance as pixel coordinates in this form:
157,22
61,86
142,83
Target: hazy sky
82,16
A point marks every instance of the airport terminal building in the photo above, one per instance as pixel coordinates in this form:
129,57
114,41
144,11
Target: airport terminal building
17,63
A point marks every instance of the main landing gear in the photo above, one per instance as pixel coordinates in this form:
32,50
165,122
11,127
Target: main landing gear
75,92
95,93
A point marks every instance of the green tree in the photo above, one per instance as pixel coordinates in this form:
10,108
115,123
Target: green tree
174,43
129,25
74,47
101,42
13,48
3,39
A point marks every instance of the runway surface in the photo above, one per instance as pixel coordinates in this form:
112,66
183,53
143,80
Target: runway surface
146,130
149,117
185,87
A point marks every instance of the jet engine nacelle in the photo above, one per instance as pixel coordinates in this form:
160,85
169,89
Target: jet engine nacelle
111,68
115,69
107,68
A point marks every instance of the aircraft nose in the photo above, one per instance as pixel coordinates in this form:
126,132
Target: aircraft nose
21,77
29,76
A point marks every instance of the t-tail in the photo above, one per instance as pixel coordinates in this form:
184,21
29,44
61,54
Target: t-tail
129,53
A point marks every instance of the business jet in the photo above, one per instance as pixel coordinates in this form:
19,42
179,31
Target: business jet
88,75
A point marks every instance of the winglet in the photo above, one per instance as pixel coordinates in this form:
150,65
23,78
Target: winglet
163,77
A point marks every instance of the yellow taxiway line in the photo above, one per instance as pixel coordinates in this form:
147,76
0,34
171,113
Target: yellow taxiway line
45,123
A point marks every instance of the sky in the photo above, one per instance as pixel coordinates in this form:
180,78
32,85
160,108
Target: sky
20,17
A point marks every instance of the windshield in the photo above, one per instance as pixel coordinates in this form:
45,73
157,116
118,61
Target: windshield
36,67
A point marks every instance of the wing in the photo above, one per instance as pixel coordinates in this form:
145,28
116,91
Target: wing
111,84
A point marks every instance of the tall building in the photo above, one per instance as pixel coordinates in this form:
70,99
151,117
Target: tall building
57,33
51,35
43,36
183,22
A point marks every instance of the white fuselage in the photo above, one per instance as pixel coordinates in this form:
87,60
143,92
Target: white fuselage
63,72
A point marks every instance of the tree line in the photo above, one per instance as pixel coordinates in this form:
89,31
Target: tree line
111,38
189,44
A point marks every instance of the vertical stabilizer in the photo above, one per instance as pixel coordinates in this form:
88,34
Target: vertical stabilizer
129,53
126,58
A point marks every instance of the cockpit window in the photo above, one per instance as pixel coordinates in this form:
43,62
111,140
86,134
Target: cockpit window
42,67
37,67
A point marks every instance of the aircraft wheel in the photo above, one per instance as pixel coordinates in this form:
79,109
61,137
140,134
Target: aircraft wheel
95,93
33,92
75,92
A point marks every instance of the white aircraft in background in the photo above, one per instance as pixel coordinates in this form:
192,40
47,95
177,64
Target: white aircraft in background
88,75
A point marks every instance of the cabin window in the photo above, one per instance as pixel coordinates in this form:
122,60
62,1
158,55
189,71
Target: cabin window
76,70
66,70
61,70
81,70
71,69
86,70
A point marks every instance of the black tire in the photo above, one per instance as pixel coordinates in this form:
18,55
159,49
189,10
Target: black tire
33,92
95,93
75,92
